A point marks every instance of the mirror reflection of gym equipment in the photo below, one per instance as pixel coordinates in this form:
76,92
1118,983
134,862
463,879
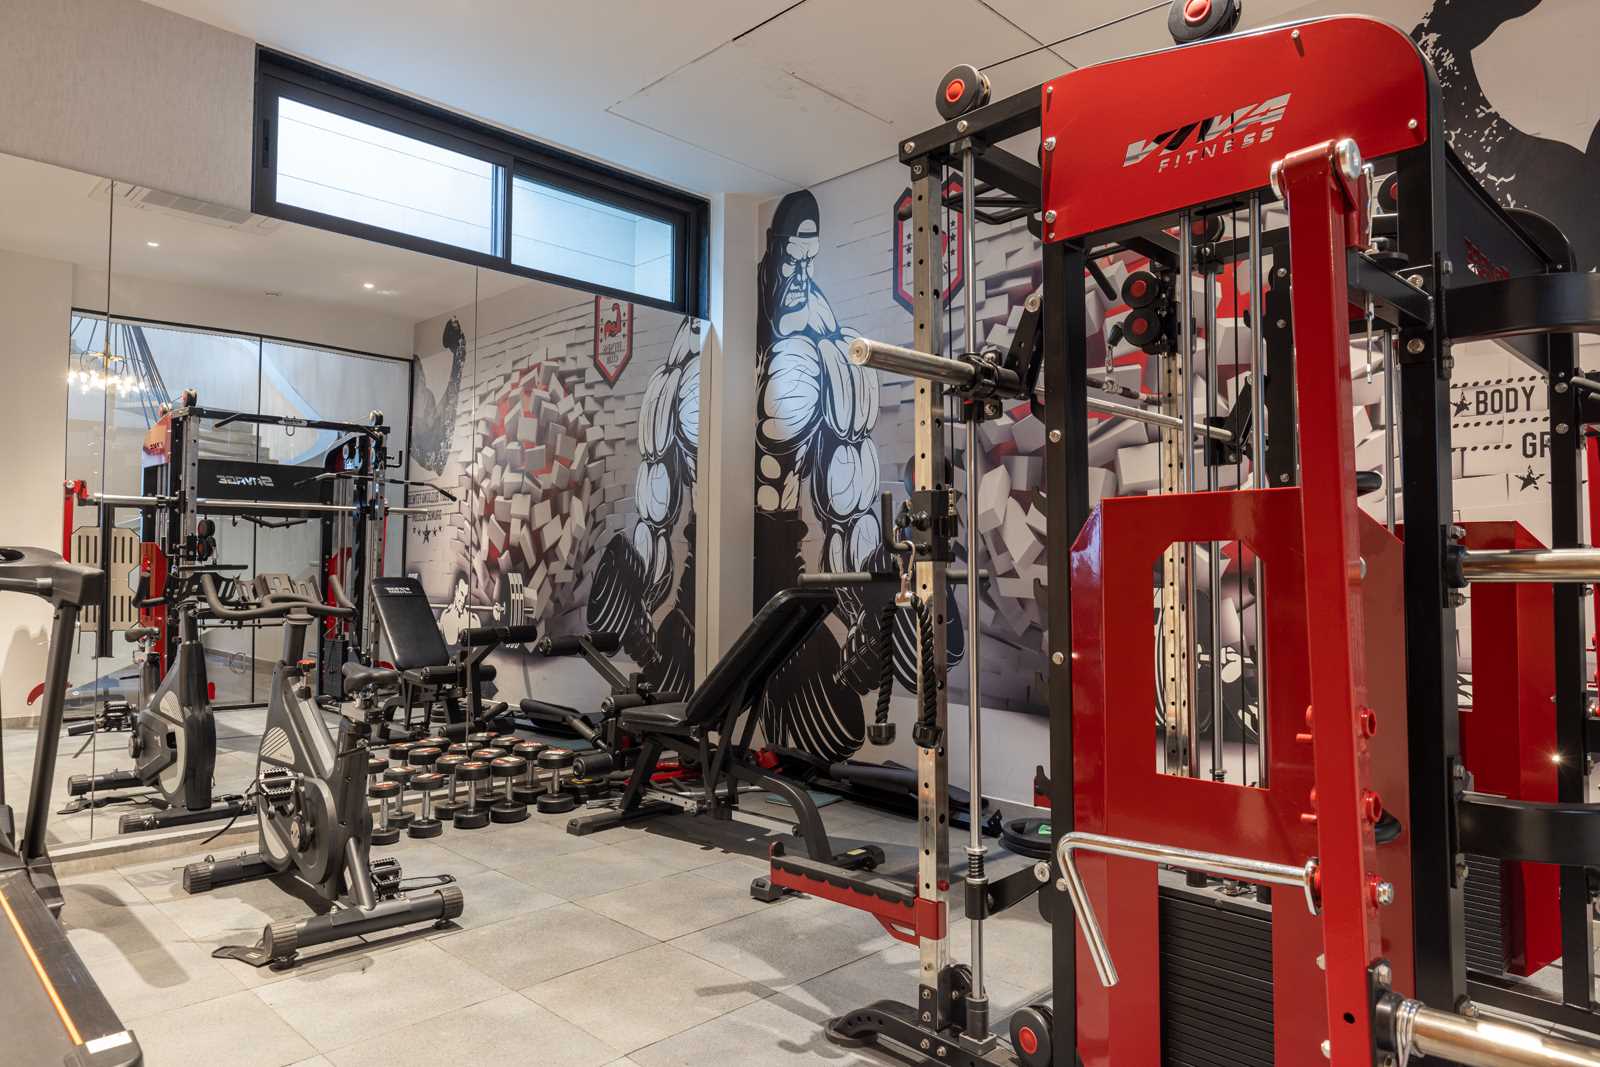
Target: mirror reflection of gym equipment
742,545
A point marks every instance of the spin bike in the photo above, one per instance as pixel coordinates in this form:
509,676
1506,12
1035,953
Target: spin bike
174,739
311,803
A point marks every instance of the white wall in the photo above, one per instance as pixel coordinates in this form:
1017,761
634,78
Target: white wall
726,488
230,309
35,302
129,91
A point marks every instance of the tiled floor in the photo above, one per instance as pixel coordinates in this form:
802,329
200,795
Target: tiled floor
639,947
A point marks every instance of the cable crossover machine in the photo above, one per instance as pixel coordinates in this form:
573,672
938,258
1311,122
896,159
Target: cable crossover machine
1306,164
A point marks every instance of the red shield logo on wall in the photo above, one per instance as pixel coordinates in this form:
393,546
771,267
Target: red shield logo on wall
904,268
613,337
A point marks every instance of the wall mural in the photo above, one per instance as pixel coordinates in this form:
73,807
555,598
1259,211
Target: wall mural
823,453
572,461
1521,168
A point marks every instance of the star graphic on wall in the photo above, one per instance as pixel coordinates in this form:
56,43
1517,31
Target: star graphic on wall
1461,405
1529,480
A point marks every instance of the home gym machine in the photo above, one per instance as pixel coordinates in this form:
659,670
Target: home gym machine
315,828
1357,954
173,740
52,1012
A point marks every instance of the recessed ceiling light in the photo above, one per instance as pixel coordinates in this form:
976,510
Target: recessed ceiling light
153,244
368,285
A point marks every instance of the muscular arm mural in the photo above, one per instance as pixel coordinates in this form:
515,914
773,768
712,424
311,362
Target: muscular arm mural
634,579
817,472
433,420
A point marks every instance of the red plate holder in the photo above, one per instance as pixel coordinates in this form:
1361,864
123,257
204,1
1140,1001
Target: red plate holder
1326,218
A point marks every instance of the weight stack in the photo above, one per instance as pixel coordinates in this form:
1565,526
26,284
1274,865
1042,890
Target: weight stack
1483,898
1216,978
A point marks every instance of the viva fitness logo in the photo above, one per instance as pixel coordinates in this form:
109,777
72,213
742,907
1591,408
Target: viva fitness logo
1208,138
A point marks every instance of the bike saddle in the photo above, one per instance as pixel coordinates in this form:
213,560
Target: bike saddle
360,676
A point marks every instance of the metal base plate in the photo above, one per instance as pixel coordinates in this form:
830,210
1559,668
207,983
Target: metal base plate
888,1021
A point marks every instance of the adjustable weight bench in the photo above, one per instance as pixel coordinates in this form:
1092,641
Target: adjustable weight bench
712,731
429,675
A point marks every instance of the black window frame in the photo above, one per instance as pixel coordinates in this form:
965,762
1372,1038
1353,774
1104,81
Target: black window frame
279,75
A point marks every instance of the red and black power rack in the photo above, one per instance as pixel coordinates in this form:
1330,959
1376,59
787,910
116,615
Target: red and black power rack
1263,152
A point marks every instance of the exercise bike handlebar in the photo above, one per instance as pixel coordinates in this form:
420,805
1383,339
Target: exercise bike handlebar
477,636
572,644
278,606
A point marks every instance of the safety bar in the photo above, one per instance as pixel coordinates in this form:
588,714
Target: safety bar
1480,1041
1237,868
1528,565
961,375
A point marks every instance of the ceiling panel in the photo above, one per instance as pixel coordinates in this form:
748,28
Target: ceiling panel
1054,20
1141,33
736,104
887,56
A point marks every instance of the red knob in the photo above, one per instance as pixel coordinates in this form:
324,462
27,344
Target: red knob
1195,11
954,89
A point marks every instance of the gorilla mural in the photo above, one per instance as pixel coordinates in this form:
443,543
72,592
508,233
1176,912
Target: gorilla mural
633,581
817,474
1520,168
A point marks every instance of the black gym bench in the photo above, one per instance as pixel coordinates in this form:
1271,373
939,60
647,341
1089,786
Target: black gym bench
712,731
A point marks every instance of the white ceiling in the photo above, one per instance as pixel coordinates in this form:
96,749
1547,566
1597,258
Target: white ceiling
56,214
750,96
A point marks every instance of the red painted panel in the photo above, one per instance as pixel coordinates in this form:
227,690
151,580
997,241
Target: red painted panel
1509,734
1140,137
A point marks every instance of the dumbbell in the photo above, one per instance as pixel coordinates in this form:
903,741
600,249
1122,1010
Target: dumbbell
483,739
399,751
504,769
425,824
421,760
440,743
488,753
447,765
553,801
401,776
376,765
528,791
472,817
384,793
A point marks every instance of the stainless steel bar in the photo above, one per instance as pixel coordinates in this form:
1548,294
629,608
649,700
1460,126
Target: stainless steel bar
1585,383
1258,468
1531,565
221,503
419,509
117,500
878,355
1484,1041
1157,418
1216,864
1219,753
978,998
1388,431
897,360
1183,290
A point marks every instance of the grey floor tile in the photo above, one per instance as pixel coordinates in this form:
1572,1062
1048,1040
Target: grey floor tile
315,1061
494,845
339,1005
888,974
675,905
737,871
788,942
529,949
506,1029
489,896
232,914
672,843
237,1030
638,999
126,931
580,874
420,858
161,979
772,1031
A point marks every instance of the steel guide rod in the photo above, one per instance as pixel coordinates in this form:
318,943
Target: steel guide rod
1183,293
1258,464
977,1028
895,359
1219,752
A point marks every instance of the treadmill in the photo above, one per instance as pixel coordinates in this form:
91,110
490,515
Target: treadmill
51,1011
